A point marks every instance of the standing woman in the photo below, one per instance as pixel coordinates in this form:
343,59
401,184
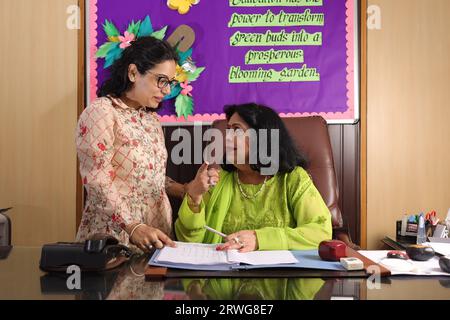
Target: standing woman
120,145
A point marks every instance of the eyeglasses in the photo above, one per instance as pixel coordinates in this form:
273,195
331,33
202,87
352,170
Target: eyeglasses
162,81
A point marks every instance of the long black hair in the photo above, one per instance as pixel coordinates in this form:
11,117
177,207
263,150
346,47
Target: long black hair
145,53
262,117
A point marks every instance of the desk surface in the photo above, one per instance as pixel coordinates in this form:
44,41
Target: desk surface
20,278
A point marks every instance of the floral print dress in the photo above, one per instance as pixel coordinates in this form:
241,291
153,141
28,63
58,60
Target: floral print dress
123,161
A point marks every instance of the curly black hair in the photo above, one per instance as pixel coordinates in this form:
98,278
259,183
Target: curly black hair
262,117
145,53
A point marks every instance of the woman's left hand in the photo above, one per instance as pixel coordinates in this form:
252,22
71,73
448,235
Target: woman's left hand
244,241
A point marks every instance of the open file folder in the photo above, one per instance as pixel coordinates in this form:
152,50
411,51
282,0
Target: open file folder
196,256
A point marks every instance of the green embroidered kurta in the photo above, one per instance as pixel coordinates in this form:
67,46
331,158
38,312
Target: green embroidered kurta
256,289
288,214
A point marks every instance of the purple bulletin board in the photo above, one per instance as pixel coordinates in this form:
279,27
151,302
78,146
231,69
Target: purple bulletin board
331,90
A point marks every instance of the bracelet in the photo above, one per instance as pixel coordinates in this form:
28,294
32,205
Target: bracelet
190,201
134,229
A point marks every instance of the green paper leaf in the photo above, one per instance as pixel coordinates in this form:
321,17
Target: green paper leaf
110,29
108,63
160,34
184,106
194,75
184,55
146,28
104,49
114,53
133,27
174,92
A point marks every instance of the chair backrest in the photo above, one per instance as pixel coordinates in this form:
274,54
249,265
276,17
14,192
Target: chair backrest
310,134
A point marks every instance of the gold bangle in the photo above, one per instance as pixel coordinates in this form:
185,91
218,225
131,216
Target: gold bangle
191,203
134,229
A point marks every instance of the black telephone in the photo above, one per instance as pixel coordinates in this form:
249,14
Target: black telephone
99,253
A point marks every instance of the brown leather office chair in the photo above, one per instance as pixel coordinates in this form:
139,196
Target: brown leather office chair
311,136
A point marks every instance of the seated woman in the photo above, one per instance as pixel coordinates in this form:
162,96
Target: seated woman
283,211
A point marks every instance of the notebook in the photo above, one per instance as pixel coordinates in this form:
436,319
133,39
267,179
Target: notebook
197,256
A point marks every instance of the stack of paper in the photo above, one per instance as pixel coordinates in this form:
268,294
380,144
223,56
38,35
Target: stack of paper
206,254
197,256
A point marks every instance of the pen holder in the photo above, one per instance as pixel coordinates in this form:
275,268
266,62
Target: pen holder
410,236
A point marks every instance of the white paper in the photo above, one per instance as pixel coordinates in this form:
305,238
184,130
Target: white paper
262,257
193,253
206,254
406,267
441,248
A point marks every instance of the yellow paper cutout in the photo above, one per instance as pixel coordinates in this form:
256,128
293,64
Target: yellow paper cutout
181,75
114,39
183,6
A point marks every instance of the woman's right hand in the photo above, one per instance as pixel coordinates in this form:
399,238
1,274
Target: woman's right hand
145,237
204,179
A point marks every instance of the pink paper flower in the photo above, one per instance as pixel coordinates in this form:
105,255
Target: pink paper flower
186,89
125,41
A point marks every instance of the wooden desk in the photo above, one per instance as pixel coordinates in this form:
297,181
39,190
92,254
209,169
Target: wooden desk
21,278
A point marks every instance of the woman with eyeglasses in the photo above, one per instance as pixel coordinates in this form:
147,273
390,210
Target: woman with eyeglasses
120,145
255,208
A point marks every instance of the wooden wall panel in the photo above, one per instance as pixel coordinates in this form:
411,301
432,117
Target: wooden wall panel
345,141
39,112
408,114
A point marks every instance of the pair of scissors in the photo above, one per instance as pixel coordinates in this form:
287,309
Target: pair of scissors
431,216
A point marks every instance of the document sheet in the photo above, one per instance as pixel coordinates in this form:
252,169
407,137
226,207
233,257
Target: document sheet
206,254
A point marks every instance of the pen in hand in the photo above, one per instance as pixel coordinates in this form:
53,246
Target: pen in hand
223,235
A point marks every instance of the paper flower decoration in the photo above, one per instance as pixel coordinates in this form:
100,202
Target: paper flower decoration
186,70
125,41
183,6
187,89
